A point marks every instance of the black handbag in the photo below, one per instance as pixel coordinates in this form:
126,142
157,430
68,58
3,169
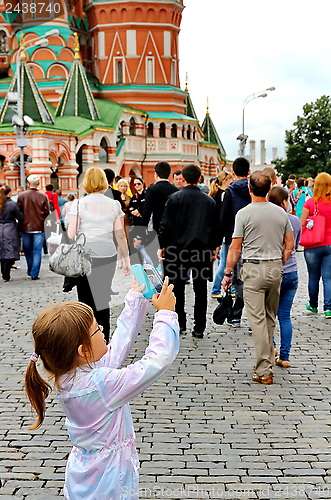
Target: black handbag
224,309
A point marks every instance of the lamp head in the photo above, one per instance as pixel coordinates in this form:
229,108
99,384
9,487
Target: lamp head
271,88
12,97
52,33
42,42
17,120
263,95
28,120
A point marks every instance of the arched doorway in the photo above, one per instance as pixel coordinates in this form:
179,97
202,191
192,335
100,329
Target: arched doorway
134,172
103,151
27,159
79,161
55,180
2,163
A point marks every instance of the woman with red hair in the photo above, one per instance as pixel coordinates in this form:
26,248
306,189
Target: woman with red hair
318,257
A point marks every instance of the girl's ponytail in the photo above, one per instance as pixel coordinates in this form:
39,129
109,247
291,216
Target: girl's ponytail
57,333
37,390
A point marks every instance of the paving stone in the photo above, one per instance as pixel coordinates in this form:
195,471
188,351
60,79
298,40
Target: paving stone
203,425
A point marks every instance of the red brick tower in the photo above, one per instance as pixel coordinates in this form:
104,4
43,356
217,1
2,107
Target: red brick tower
136,52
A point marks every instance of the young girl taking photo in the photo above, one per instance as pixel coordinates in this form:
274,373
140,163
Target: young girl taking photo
94,391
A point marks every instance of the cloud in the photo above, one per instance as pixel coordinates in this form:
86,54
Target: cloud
233,49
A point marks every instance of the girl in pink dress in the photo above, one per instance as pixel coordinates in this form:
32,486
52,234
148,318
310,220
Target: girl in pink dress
94,391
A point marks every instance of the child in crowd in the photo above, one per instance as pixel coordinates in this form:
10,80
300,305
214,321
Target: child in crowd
94,391
66,209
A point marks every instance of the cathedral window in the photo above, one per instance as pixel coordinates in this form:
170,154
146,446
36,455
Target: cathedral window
118,70
167,44
101,44
150,130
174,130
150,70
173,73
119,133
189,132
103,151
131,43
162,130
3,41
132,126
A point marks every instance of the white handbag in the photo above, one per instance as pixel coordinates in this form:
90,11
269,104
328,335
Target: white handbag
72,260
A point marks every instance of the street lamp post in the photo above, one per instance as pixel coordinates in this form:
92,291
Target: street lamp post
242,137
20,122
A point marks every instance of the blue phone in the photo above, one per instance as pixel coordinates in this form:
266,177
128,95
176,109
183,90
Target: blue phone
147,275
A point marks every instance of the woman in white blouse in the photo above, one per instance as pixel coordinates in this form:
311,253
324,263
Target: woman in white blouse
99,218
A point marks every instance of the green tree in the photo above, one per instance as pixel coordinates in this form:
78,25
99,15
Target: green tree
279,165
309,142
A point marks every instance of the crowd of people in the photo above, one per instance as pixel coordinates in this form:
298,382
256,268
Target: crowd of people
246,222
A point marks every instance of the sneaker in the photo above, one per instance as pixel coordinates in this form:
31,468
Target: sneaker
327,314
311,309
235,323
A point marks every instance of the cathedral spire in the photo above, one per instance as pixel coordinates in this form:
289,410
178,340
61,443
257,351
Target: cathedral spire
210,133
77,98
189,110
32,102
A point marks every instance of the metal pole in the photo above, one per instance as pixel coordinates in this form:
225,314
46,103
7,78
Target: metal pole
21,141
22,167
243,141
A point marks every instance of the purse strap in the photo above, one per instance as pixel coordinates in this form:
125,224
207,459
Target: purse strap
77,217
316,211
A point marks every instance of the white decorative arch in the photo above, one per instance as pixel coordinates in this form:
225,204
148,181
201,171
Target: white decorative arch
62,66
36,65
136,170
6,155
66,50
41,50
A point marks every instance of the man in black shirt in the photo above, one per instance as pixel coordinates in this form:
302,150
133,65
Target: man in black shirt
157,195
189,235
111,192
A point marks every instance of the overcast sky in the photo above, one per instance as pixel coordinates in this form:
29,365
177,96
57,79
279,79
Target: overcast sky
232,49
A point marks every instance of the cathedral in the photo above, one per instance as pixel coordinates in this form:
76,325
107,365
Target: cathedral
99,85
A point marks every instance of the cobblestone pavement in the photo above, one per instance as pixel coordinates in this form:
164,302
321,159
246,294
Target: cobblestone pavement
204,430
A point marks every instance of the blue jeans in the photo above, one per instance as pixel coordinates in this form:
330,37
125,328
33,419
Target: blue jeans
220,270
318,262
32,246
288,290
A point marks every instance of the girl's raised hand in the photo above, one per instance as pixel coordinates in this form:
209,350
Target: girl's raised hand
165,299
135,287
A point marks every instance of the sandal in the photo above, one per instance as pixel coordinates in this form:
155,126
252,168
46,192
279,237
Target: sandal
283,364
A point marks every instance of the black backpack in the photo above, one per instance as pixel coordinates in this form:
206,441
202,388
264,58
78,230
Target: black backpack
51,204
